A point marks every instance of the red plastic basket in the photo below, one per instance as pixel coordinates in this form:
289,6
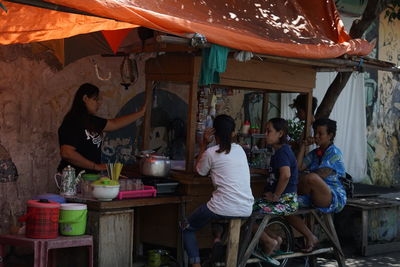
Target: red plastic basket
148,191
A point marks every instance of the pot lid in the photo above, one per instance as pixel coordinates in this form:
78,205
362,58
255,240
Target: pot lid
43,203
105,181
50,197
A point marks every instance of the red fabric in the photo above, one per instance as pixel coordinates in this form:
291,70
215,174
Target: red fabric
294,28
115,38
320,152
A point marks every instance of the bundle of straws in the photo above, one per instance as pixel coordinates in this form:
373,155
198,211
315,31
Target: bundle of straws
114,170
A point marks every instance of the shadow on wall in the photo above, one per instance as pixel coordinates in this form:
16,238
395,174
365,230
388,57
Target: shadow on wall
168,135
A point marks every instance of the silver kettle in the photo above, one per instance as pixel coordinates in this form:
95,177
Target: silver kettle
68,181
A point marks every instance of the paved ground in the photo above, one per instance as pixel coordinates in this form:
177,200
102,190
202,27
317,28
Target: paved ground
383,260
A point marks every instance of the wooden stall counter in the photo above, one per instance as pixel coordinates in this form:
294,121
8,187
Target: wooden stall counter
94,204
117,228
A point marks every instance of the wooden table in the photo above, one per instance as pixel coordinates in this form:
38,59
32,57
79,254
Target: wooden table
115,229
44,249
379,224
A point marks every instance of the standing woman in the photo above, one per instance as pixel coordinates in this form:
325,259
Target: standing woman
81,132
321,187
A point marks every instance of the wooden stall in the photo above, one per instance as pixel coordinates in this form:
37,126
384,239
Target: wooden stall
257,75
116,227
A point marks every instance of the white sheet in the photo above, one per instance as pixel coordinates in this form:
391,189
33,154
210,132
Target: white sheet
349,112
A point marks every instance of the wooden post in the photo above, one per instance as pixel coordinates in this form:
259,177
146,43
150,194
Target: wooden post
233,242
329,233
112,237
147,116
137,244
191,122
364,232
309,114
312,260
265,108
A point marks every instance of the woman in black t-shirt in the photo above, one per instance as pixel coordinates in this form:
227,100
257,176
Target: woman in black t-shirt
81,132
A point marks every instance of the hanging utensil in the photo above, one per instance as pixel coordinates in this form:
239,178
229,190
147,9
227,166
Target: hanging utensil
129,72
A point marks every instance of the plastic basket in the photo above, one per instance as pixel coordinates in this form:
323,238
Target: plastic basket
148,191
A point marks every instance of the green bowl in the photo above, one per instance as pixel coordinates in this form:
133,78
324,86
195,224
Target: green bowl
90,176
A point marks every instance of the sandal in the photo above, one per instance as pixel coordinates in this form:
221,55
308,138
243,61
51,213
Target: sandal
265,258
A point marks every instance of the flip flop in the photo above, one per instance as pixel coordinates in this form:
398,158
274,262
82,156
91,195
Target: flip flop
265,258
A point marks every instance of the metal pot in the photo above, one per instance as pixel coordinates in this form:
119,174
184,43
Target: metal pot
154,165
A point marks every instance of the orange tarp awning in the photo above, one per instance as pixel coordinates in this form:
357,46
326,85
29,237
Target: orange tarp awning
291,28
26,24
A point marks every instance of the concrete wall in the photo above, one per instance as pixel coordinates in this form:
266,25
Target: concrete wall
384,123
35,94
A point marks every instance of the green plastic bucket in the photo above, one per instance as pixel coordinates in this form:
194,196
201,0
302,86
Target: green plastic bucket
73,219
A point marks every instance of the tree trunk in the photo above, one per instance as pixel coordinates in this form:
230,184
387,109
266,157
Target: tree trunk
359,26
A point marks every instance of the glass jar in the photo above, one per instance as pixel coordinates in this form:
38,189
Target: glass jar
86,183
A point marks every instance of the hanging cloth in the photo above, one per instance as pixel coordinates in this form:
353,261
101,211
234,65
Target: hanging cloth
213,62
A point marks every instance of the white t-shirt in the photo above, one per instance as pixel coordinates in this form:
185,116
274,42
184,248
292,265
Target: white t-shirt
230,175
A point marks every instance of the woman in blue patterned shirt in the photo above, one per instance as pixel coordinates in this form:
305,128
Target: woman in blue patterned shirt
320,187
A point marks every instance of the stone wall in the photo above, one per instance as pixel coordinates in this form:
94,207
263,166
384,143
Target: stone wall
35,94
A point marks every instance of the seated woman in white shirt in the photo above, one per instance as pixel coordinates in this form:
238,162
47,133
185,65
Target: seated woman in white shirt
227,164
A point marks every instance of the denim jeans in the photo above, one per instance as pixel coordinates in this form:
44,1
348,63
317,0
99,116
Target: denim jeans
198,219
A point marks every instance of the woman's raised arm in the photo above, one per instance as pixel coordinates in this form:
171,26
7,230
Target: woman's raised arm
117,123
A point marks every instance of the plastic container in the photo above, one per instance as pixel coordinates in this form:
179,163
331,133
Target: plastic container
86,183
246,128
41,219
148,191
73,219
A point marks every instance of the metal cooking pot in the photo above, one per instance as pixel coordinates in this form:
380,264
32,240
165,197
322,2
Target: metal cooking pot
154,165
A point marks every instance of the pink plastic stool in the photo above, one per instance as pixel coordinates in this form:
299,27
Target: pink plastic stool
42,247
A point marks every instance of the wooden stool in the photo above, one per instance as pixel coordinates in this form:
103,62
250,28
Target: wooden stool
42,247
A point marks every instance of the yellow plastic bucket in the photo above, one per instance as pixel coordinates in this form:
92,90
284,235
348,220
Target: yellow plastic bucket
73,219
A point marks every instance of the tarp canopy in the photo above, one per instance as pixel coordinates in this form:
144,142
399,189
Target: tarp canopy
291,28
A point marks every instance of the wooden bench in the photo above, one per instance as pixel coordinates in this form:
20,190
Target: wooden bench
241,242
325,220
